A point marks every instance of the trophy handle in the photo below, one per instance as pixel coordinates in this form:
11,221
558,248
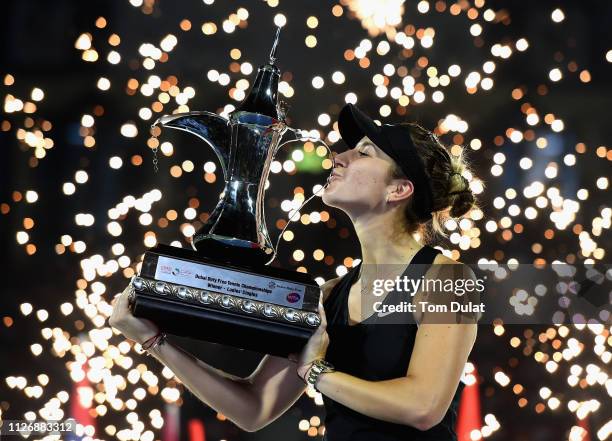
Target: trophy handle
301,135
210,127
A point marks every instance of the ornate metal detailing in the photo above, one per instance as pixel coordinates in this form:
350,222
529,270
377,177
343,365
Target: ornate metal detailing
227,302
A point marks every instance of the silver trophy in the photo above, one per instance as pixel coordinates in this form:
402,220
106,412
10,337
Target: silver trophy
224,290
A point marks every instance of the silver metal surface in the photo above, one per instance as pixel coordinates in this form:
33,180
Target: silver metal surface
238,305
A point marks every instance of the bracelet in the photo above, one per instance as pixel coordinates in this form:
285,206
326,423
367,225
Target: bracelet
304,378
149,340
317,368
153,342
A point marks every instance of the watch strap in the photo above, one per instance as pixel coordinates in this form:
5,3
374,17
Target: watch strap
318,367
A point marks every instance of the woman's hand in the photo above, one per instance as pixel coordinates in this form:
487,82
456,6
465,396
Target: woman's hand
315,348
136,329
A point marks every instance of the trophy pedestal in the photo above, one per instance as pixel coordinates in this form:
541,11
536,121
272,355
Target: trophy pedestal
263,309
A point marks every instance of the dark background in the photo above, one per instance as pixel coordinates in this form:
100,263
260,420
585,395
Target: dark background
38,50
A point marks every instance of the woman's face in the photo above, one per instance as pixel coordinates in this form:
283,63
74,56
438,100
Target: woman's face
361,179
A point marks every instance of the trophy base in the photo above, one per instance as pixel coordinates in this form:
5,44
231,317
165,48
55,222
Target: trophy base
217,327
263,309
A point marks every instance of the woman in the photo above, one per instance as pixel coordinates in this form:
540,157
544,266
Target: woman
379,382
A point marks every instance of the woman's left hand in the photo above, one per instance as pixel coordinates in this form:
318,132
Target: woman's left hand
316,347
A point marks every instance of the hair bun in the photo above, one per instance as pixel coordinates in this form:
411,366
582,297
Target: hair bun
461,198
452,194
461,202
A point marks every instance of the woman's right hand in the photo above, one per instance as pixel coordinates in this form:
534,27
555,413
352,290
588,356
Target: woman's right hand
137,329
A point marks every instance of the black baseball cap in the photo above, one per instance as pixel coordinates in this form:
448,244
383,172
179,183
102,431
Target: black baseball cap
395,141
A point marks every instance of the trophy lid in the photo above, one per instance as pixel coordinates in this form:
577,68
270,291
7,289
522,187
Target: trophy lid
263,96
